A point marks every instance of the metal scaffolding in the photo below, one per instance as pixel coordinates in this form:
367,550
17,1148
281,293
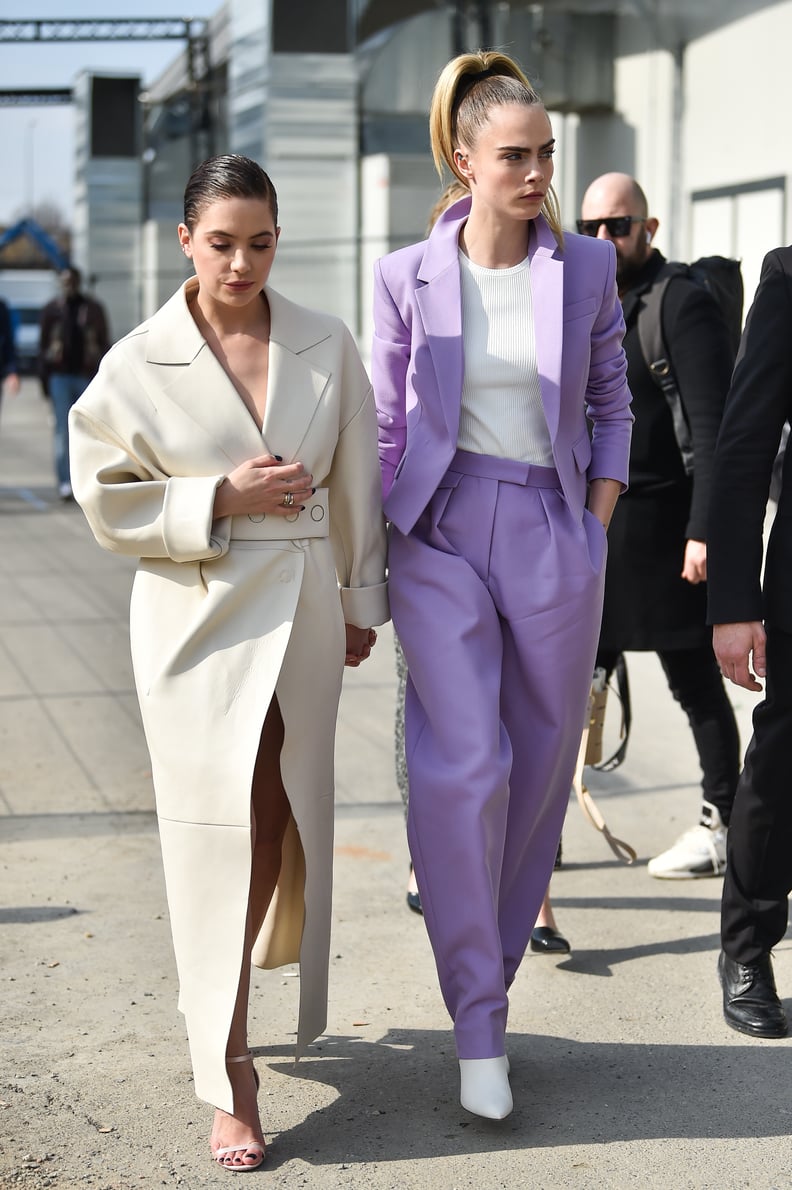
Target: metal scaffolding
101,29
36,97
192,31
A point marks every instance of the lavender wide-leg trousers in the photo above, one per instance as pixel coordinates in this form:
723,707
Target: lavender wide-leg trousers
496,597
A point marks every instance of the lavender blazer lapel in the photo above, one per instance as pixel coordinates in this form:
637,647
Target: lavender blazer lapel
439,303
547,292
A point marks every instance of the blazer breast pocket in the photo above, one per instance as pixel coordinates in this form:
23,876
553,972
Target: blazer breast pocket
580,309
581,450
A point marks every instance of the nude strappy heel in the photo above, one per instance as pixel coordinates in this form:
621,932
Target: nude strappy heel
253,1145
248,1057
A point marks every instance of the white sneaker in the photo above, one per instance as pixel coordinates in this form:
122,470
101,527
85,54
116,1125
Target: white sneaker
700,851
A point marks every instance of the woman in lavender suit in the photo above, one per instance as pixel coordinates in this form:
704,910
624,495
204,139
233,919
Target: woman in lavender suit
495,340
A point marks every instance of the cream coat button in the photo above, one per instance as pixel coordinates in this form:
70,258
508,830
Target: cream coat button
317,513
285,576
292,517
256,517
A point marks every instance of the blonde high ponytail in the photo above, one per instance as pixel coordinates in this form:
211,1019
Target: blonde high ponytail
468,88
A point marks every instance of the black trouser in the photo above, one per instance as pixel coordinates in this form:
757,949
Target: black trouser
759,869
696,683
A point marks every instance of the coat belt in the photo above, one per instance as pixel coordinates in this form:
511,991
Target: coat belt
311,521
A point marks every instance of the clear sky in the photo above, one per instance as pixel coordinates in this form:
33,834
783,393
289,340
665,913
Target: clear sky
38,143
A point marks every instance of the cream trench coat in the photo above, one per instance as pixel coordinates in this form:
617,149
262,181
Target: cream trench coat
226,613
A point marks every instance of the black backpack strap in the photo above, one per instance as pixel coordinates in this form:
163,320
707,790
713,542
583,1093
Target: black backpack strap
658,359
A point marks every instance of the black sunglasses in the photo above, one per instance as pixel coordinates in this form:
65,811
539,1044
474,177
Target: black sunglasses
618,226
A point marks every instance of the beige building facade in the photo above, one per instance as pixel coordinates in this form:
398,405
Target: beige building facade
690,96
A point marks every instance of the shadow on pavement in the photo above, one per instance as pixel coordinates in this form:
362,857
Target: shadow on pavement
28,914
83,824
566,1093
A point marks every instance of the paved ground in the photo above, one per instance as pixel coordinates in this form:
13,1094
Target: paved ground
623,1071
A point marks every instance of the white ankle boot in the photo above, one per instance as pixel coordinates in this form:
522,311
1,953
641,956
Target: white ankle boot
484,1088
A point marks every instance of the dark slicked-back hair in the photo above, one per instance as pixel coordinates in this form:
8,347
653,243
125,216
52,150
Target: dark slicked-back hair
228,176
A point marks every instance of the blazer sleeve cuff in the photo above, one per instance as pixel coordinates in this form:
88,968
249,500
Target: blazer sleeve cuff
365,606
607,473
187,518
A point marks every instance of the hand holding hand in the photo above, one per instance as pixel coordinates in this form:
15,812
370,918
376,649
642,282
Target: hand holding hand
359,643
264,485
733,645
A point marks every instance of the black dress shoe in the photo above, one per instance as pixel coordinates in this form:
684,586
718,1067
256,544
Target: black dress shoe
546,940
750,1000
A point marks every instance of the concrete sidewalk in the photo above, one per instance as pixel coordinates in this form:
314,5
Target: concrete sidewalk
624,1073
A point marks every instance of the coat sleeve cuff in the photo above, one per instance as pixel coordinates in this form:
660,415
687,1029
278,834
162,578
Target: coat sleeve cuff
365,606
187,517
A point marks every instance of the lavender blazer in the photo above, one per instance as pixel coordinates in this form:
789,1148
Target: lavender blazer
417,362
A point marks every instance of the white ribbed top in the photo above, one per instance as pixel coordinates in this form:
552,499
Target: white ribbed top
502,412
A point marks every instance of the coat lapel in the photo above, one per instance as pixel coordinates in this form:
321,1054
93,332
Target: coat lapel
547,294
296,383
194,379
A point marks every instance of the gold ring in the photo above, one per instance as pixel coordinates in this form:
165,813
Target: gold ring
288,499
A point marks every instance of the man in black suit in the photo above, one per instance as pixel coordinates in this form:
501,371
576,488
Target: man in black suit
752,638
655,582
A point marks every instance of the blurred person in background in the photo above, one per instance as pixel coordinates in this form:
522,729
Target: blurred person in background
74,337
655,580
9,365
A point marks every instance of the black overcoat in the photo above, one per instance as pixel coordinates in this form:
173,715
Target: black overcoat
648,605
759,403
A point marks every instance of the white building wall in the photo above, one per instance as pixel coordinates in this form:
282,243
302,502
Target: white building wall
296,114
738,92
737,152
108,207
638,138
312,155
397,196
164,266
248,76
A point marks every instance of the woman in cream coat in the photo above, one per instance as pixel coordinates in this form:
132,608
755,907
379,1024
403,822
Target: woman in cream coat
230,443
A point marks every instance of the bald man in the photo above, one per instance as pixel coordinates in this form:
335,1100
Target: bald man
655,585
